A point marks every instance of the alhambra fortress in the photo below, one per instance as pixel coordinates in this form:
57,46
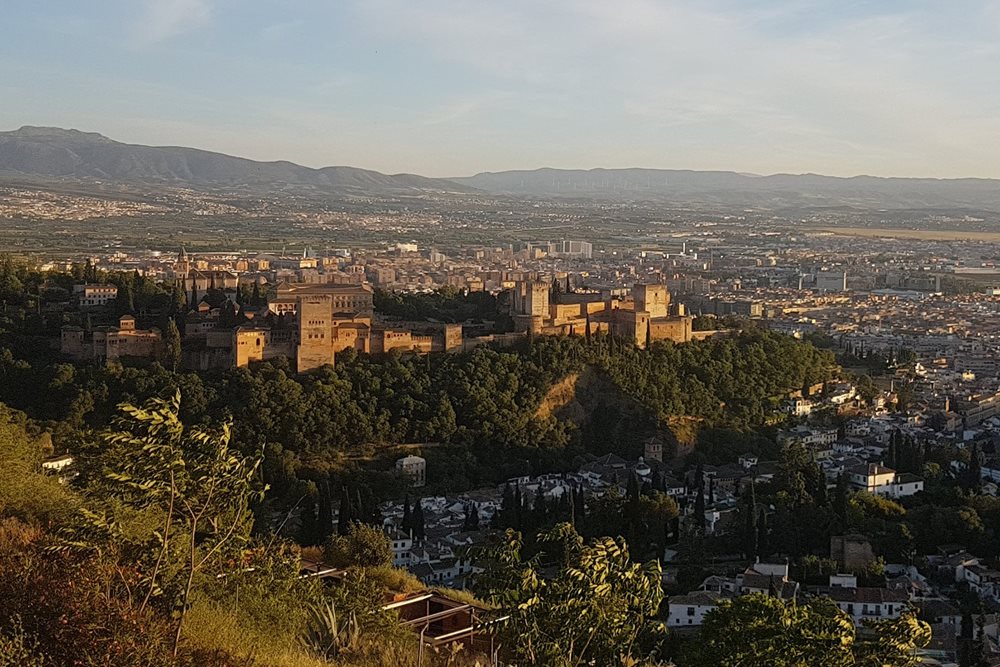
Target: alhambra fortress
310,322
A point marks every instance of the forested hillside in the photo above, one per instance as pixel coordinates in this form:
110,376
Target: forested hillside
481,406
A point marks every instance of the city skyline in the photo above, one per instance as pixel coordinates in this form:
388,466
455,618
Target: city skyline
448,89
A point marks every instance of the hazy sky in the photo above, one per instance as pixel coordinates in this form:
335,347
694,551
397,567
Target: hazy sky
451,87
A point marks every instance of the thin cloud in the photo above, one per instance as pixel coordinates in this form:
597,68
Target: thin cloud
887,89
164,19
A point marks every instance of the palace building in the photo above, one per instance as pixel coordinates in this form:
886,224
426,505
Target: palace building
646,315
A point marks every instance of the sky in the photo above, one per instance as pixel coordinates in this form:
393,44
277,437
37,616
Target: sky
455,87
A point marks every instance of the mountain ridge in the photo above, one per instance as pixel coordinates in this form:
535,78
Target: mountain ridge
52,152
45,153
735,188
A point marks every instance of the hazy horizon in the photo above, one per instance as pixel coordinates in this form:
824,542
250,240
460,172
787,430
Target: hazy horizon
448,88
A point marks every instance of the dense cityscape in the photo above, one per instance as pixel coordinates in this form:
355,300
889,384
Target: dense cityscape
864,474
654,333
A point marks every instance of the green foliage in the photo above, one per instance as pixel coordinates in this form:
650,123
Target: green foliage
714,323
25,492
865,506
17,649
483,405
362,546
593,610
329,635
171,356
866,387
732,380
759,630
448,304
190,477
76,607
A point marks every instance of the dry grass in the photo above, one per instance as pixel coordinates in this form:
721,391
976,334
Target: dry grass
395,579
458,595
404,654
211,627
314,554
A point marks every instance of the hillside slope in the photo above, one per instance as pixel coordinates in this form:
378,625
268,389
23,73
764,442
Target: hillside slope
608,420
47,152
731,188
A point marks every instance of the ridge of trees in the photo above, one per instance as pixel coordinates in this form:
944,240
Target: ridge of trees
482,406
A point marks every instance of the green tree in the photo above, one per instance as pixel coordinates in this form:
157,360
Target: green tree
761,631
418,520
125,301
171,354
866,387
26,492
192,477
362,546
593,610
655,513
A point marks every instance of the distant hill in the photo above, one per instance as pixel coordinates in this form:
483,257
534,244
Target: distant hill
46,154
731,188
55,153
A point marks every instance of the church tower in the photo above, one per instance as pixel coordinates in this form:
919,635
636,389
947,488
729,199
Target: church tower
183,265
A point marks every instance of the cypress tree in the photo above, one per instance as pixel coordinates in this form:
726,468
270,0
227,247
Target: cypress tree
699,509
374,515
172,355
974,472
505,517
324,513
471,517
307,521
658,484
840,505
753,533
407,526
821,495
919,454
518,508
418,520
346,515
540,509
178,302
361,511
125,301
632,490
309,524
964,645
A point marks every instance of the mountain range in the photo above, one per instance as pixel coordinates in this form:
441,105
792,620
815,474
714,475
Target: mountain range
47,153
746,190
55,153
